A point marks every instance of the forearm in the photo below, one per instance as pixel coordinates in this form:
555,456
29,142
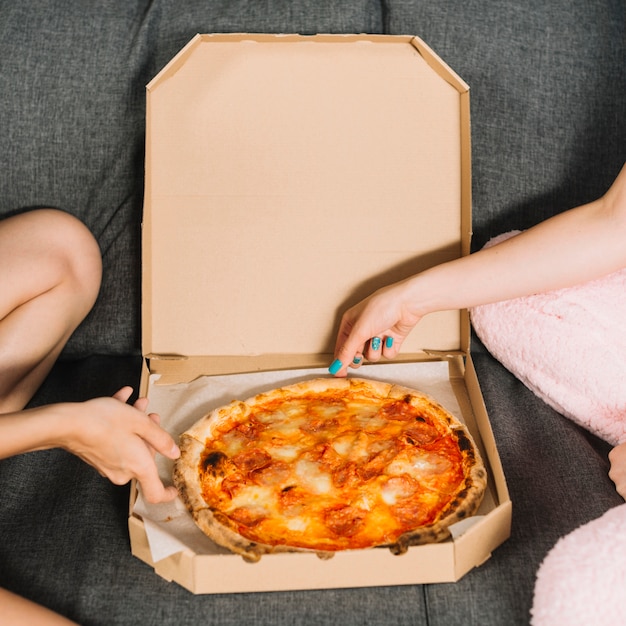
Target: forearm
570,248
35,429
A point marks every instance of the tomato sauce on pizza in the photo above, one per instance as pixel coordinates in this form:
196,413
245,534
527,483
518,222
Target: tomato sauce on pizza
329,465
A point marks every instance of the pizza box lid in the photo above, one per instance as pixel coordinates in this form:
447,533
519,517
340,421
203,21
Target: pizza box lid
287,177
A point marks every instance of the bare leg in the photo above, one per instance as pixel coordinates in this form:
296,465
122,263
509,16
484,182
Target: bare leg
50,269
17,611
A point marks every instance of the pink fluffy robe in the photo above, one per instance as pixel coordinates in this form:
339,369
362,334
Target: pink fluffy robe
582,581
568,346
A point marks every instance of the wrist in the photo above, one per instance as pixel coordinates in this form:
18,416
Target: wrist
422,293
66,419
57,425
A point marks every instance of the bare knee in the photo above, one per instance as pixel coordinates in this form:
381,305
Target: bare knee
50,271
68,245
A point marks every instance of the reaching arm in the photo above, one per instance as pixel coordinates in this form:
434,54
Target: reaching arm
573,247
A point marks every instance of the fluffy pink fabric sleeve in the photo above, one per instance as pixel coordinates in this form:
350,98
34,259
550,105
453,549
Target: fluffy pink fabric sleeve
567,346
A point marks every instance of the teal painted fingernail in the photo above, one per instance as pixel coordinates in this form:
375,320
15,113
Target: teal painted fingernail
376,343
335,367
389,342
357,360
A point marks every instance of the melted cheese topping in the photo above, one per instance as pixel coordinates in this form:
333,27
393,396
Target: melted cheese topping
325,473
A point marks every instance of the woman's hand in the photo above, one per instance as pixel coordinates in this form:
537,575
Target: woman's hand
121,441
376,327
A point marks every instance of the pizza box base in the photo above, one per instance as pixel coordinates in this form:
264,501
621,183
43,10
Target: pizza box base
287,177
219,572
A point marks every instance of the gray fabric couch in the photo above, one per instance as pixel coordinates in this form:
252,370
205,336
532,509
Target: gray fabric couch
548,103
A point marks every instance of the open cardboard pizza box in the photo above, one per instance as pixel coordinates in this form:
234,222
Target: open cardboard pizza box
288,177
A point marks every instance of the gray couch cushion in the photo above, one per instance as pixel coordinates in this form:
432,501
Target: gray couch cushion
72,93
547,90
72,125
179,22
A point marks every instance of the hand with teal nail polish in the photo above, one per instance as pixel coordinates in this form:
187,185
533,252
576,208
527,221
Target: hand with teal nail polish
578,245
375,328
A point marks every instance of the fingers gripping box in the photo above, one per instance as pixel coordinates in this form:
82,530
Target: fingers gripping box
288,177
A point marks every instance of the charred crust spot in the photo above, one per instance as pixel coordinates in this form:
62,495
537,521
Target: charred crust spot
395,549
464,443
460,496
212,460
461,513
400,547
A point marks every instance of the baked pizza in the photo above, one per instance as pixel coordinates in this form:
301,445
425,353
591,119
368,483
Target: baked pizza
329,464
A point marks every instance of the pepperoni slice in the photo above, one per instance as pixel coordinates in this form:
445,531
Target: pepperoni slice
275,473
345,476
399,487
292,500
324,455
400,410
233,483
420,434
248,516
319,424
411,512
375,464
344,521
250,460
250,429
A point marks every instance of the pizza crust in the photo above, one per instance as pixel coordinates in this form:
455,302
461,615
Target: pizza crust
221,530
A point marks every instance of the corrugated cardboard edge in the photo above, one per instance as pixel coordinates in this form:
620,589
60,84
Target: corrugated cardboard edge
480,540
444,70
